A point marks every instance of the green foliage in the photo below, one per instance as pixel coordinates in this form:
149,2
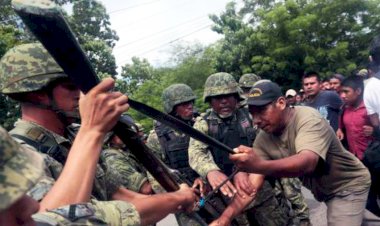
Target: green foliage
91,24
193,66
280,40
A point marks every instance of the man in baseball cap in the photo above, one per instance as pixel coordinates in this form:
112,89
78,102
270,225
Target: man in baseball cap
291,97
298,142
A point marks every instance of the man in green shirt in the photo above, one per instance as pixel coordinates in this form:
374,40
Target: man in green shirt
298,142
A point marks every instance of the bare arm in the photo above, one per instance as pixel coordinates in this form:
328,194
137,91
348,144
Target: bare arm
302,163
155,207
239,203
99,110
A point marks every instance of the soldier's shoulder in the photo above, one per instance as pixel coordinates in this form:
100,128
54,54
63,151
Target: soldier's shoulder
201,123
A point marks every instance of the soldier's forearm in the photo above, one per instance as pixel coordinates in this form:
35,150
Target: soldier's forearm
71,186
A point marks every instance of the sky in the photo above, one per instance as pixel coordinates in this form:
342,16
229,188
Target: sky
148,28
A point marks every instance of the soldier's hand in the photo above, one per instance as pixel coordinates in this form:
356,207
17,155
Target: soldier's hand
246,159
100,108
216,177
199,183
243,185
189,198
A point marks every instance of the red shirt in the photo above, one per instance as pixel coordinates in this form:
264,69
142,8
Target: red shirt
353,121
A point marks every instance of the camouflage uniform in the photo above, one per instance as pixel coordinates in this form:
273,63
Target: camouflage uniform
288,187
265,209
248,80
172,96
22,169
124,165
28,68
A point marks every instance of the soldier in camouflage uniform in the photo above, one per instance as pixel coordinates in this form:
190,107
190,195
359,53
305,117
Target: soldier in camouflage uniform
246,82
288,187
30,75
120,162
170,145
21,170
232,126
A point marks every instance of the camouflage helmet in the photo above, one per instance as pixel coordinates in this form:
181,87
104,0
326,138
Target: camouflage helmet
248,80
26,68
20,170
176,94
220,84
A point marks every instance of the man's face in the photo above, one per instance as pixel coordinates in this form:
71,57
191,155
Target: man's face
224,105
335,84
185,110
349,95
269,117
246,91
66,96
326,85
311,86
291,100
20,213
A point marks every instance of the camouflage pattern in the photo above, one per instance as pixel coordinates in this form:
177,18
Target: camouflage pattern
248,80
220,84
176,94
104,185
200,158
26,68
139,127
124,165
19,170
265,208
291,189
113,213
154,144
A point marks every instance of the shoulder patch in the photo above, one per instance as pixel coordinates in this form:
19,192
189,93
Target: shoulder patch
74,212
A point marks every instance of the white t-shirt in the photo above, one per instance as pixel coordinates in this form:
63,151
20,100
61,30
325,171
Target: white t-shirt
372,96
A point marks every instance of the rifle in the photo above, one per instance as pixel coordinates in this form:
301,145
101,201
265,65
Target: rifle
46,22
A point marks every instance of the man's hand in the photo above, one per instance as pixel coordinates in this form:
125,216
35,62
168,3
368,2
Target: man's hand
340,134
243,185
146,188
368,130
246,159
216,177
189,196
199,183
100,108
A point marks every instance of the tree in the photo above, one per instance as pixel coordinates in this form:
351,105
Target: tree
280,40
91,24
135,74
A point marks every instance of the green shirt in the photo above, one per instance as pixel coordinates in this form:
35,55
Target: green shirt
338,169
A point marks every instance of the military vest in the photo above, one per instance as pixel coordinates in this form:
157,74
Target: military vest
44,142
175,147
234,131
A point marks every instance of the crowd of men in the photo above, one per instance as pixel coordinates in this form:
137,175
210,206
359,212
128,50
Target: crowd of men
83,174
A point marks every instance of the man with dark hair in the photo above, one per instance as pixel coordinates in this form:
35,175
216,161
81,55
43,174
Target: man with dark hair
298,142
336,81
354,120
327,103
326,84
